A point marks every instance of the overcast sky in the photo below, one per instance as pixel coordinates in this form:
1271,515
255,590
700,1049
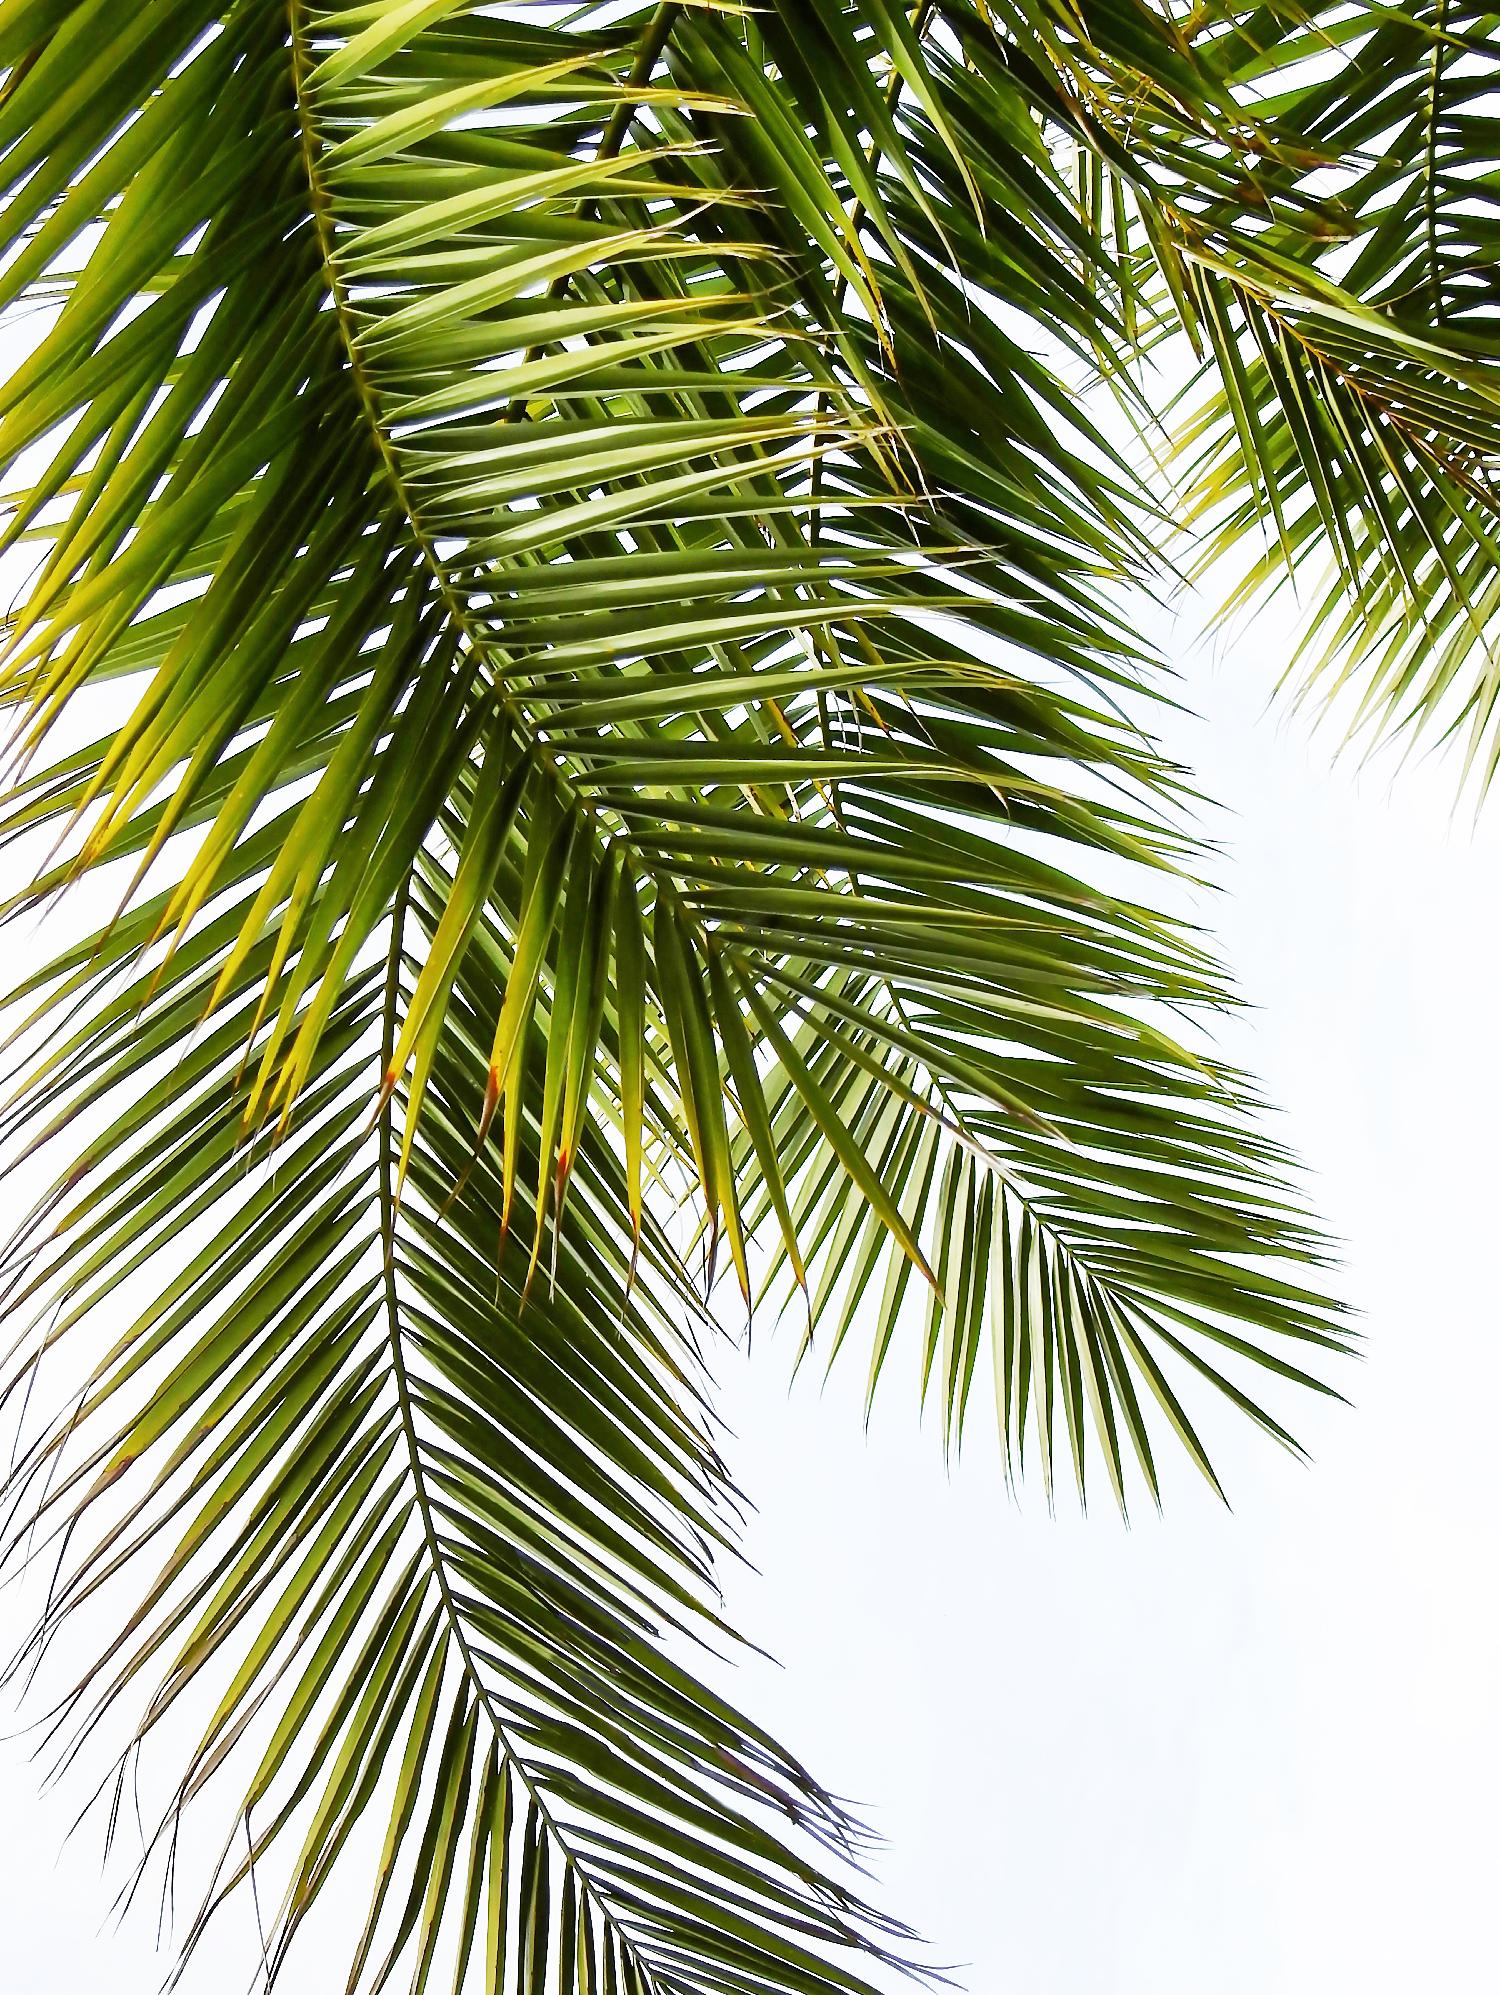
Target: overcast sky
1218,1752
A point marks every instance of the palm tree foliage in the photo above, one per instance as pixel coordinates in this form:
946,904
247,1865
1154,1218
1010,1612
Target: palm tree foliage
572,699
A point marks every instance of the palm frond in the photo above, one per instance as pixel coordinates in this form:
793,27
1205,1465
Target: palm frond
1336,271
588,594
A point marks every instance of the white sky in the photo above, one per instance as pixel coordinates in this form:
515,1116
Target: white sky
1217,1754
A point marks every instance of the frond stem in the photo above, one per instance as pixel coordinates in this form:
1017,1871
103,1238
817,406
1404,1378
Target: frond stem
1429,177
310,143
401,1378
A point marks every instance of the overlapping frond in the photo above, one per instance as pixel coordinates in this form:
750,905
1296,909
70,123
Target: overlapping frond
567,648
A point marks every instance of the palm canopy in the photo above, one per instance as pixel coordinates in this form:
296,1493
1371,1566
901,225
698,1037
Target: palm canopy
572,617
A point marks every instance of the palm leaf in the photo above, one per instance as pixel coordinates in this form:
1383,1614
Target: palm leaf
573,627
1337,275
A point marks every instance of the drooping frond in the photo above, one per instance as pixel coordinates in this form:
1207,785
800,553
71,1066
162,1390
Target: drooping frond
1335,268
569,667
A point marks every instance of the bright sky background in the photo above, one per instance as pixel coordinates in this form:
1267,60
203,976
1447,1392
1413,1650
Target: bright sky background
1218,1754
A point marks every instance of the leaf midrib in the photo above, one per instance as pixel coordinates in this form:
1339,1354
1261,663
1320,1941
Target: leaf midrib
391,1311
